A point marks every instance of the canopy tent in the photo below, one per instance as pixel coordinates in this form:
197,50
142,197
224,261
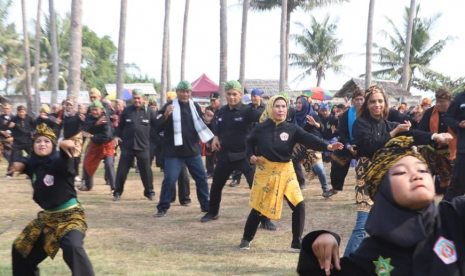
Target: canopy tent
203,86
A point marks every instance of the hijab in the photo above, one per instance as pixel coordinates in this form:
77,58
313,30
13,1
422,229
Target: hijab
300,117
73,111
268,113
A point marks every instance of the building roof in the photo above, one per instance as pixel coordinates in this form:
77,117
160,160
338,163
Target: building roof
203,86
269,87
392,88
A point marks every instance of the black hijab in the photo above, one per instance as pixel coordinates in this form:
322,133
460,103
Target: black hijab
395,224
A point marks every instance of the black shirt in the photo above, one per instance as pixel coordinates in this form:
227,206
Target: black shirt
276,142
454,115
327,132
420,260
190,139
22,130
4,120
371,135
72,125
260,108
102,133
213,124
424,126
50,121
54,184
134,127
233,126
343,128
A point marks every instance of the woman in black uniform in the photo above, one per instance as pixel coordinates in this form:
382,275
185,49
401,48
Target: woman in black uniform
62,223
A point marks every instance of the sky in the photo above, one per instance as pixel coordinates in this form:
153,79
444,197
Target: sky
144,35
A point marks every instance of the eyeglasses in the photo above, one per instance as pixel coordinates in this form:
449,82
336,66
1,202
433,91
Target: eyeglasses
93,97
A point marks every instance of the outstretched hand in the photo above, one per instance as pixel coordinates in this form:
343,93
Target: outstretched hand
66,145
16,167
326,249
335,146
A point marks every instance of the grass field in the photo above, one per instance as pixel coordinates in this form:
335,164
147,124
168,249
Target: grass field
124,238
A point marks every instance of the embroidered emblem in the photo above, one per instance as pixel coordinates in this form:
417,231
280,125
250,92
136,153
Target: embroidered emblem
238,119
445,249
462,105
128,120
145,121
383,266
284,136
159,115
48,180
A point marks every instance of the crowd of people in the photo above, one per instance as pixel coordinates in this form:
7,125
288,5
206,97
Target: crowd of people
277,146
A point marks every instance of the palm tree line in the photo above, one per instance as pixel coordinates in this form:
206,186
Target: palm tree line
61,45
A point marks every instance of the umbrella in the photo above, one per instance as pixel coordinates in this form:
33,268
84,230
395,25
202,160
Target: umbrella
127,95
318,93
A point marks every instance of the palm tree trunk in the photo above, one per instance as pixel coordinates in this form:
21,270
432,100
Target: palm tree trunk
7,78
121,47
37,60
369,44
288,35
75,49
245,12
405,73
53,39
27,60
168,67
283,50
184,40
223,48
164,62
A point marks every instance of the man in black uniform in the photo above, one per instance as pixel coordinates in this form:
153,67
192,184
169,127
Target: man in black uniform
258,104
210,155
21,126
233,125
455,119
184,124
6,140
134,133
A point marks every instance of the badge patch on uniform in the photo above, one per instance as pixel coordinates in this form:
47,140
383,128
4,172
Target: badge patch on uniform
220,119
383,266
145,121
445,249
49,180
159,115
284,136
128,120
238,119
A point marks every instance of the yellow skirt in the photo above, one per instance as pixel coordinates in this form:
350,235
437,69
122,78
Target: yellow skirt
272,182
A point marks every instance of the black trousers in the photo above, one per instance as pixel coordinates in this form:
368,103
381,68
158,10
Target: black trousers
338,175
457,184
77,161
210,162
143,162
183,186
236,175
222,171
298,222
74,255
18,152
109,171
299,173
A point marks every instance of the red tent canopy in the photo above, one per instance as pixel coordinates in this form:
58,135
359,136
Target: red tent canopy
203,86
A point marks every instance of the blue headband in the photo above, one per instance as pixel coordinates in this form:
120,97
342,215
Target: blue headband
324,106
256,92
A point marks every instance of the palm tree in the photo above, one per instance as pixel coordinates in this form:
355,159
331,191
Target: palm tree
320,50
421,50
54,51
27,59
369,55
184,40
121,46
37,59
292,5
11,54
164,62
283,48
75,49
408,42
245,12
223,48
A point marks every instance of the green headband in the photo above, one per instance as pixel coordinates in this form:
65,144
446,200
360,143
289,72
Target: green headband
234,85
184,85
96,104
152,99
139,92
